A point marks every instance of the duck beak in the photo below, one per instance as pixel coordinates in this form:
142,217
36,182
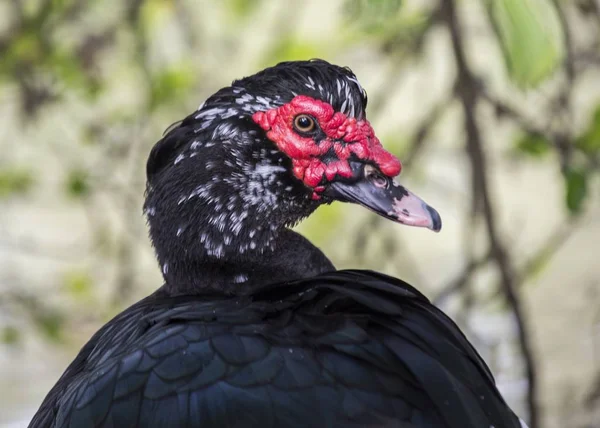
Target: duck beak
384,195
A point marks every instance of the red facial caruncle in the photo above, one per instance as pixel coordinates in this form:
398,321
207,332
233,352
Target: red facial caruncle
345,136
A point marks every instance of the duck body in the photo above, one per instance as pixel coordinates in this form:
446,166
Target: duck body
341,349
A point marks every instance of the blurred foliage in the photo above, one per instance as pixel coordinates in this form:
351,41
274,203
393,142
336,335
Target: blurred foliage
15,181
78,185
534,145
589,141
240,9
576,182
398,30
170,85
530,36
375,16
79,284
580,159
50,324
10,335
290,48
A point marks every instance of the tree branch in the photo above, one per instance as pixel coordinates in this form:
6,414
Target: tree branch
468,93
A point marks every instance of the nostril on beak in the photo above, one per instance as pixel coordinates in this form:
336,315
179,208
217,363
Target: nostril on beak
376,177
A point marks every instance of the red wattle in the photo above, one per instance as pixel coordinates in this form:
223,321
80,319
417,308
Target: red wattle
347,135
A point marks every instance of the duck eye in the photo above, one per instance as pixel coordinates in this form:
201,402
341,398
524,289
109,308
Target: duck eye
304,123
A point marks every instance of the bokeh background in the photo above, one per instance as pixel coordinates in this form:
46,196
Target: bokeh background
493,106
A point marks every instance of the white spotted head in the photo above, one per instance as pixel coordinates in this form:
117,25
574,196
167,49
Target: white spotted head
224,182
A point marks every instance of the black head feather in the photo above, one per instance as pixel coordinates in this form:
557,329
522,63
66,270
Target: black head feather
219,193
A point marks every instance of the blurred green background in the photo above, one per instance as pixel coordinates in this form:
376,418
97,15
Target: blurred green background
492,105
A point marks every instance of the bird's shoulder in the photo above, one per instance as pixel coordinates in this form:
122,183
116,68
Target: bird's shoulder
344,345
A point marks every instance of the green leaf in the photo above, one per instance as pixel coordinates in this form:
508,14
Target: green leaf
10,335
78,185
170,84
533,145
373,16
576,189
59,6
241,9
589,141
79,284
531,37
15,181
69,69
27,47
290,48
51,324
155,12
537,267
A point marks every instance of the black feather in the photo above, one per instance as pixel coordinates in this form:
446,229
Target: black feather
411,367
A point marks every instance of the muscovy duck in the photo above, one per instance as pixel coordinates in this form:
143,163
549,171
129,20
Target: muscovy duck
254,327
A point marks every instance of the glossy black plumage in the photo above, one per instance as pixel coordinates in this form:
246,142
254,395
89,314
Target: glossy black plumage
347,348
253,326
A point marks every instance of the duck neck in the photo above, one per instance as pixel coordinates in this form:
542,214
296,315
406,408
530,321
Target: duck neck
290,256
200,247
